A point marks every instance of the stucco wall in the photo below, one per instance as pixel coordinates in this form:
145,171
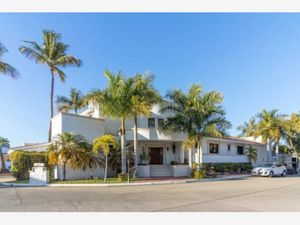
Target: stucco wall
72,174
89,127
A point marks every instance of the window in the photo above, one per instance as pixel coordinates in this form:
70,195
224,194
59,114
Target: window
228,148
240,150
160,123
213,148
151,122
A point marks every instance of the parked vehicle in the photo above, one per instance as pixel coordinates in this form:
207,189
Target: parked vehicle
270,170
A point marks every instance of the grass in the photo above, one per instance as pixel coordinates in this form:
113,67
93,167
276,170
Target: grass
18,182
82,181
88,181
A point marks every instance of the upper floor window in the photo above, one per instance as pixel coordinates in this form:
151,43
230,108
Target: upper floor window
151,122
228,148
160,123
240,150
213,148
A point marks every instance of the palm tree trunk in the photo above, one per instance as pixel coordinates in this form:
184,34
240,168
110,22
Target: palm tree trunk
199,147
269,149
105,172
51,105
277,151
3,166
76,110
135,140
64,171
123,146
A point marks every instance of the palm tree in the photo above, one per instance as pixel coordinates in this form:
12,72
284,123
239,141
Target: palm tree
5,68
143,98
197,113
75,101
248,129
251,154
115,101
52,52
71,149
4,143
292,129
105,143
271,128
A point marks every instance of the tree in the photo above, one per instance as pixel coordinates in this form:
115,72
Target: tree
143,98
71,149
248,129
5,68
197,113
74,102
115,101
4,143
292,129
271,127
251,154
51,52
105,143
114,159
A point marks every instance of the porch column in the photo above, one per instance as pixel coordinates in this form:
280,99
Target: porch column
182,155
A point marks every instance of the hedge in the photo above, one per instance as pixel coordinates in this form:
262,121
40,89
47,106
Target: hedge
22,162
225,167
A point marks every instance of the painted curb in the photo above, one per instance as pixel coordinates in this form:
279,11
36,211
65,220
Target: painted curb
129,184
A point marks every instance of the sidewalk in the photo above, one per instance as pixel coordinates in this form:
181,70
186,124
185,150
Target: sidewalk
6,177
142,182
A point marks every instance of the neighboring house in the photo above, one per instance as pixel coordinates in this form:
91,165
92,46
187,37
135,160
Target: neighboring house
159,147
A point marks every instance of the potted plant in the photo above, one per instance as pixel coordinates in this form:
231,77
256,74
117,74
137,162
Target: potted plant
144,158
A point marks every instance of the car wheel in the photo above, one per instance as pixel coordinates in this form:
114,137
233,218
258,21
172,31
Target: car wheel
283,173
271,174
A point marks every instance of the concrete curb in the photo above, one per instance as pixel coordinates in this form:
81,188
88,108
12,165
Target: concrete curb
130,184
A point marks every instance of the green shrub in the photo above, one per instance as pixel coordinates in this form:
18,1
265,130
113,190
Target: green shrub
198,174
228,167
173,163
123,176
22,162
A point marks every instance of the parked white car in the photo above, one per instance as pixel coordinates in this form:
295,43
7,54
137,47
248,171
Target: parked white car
270,170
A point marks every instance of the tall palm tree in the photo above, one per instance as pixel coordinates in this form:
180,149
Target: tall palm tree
115,101
71,149
53,53
271,128
105,143
143,98
5,68
292,129
251,154
197,113
4,143
74,102
248,128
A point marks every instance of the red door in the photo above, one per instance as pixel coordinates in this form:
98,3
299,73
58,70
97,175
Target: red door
156,156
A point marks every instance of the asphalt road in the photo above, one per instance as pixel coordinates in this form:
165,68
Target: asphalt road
252,194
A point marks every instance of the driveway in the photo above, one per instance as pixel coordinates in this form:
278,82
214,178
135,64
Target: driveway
252,194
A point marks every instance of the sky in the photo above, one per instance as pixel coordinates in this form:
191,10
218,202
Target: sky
253,59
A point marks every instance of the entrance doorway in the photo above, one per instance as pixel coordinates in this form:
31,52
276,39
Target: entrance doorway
156,156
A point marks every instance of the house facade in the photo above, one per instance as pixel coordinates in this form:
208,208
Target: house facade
159,153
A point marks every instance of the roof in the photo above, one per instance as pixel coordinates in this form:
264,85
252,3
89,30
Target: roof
239,140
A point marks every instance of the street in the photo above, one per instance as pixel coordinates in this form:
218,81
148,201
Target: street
247,195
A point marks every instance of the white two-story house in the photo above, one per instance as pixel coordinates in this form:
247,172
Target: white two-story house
157,149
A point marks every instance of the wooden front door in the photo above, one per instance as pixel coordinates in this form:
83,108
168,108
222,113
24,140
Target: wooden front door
156,156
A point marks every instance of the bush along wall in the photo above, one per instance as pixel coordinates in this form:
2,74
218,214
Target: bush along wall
228,167
211,169
22,162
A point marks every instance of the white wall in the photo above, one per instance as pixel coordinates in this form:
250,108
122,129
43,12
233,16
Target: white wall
89,127
72,174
